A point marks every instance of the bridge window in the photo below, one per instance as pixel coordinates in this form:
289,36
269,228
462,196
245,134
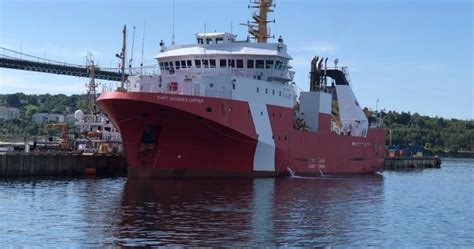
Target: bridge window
177,64
205,63
171,65
190,63
259,64
183,64
200,41
161,66
269,64
197,63
231,63
208,40
273,92
213,63
240,63
223,63
219,40
277,64
250,63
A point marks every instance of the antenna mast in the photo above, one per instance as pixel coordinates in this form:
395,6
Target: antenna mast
143,48
174,13
258,28
131,53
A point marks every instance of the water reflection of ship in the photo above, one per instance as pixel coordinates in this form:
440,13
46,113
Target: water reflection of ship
247,212
328,211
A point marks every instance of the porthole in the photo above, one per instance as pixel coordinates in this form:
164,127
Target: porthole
211,85
209,109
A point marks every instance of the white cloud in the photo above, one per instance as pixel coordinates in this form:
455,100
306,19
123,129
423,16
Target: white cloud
318,47
303,54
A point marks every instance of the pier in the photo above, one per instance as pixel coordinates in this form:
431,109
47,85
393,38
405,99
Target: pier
406,163
13,164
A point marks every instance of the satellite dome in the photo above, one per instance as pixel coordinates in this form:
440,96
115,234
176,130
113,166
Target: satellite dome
79,115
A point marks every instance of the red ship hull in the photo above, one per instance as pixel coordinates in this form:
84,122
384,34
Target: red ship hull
202,137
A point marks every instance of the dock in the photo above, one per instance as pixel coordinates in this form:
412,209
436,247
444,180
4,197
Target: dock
407,163
17,164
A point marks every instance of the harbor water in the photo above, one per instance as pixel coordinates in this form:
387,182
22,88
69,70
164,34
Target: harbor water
424,208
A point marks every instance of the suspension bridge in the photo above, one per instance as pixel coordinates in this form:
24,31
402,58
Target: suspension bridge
20,61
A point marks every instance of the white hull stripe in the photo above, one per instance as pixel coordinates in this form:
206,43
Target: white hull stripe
264,158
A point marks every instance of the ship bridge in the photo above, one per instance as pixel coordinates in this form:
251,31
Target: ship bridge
221,53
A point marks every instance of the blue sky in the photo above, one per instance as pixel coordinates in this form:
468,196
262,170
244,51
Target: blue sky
413,55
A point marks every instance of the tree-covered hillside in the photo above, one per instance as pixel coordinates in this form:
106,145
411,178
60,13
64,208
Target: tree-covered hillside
433,133
31,104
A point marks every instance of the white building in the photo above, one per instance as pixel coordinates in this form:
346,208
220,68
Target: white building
47,117
7,113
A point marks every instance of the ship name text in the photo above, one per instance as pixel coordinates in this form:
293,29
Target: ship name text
181,99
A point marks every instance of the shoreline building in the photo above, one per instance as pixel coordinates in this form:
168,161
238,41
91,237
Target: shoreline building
47,117
7,113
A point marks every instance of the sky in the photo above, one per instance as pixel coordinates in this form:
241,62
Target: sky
412,55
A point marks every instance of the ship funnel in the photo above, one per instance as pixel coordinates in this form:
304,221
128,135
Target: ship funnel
314,74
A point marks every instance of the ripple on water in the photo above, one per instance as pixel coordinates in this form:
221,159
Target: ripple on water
398,209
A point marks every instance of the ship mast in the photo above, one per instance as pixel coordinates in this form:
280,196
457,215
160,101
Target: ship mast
91,87
121,56
258,28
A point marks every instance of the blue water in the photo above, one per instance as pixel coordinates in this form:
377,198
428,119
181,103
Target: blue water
428,208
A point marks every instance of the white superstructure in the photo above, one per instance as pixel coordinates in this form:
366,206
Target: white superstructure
218,65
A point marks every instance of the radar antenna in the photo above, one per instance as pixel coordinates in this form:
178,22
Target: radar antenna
258,27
